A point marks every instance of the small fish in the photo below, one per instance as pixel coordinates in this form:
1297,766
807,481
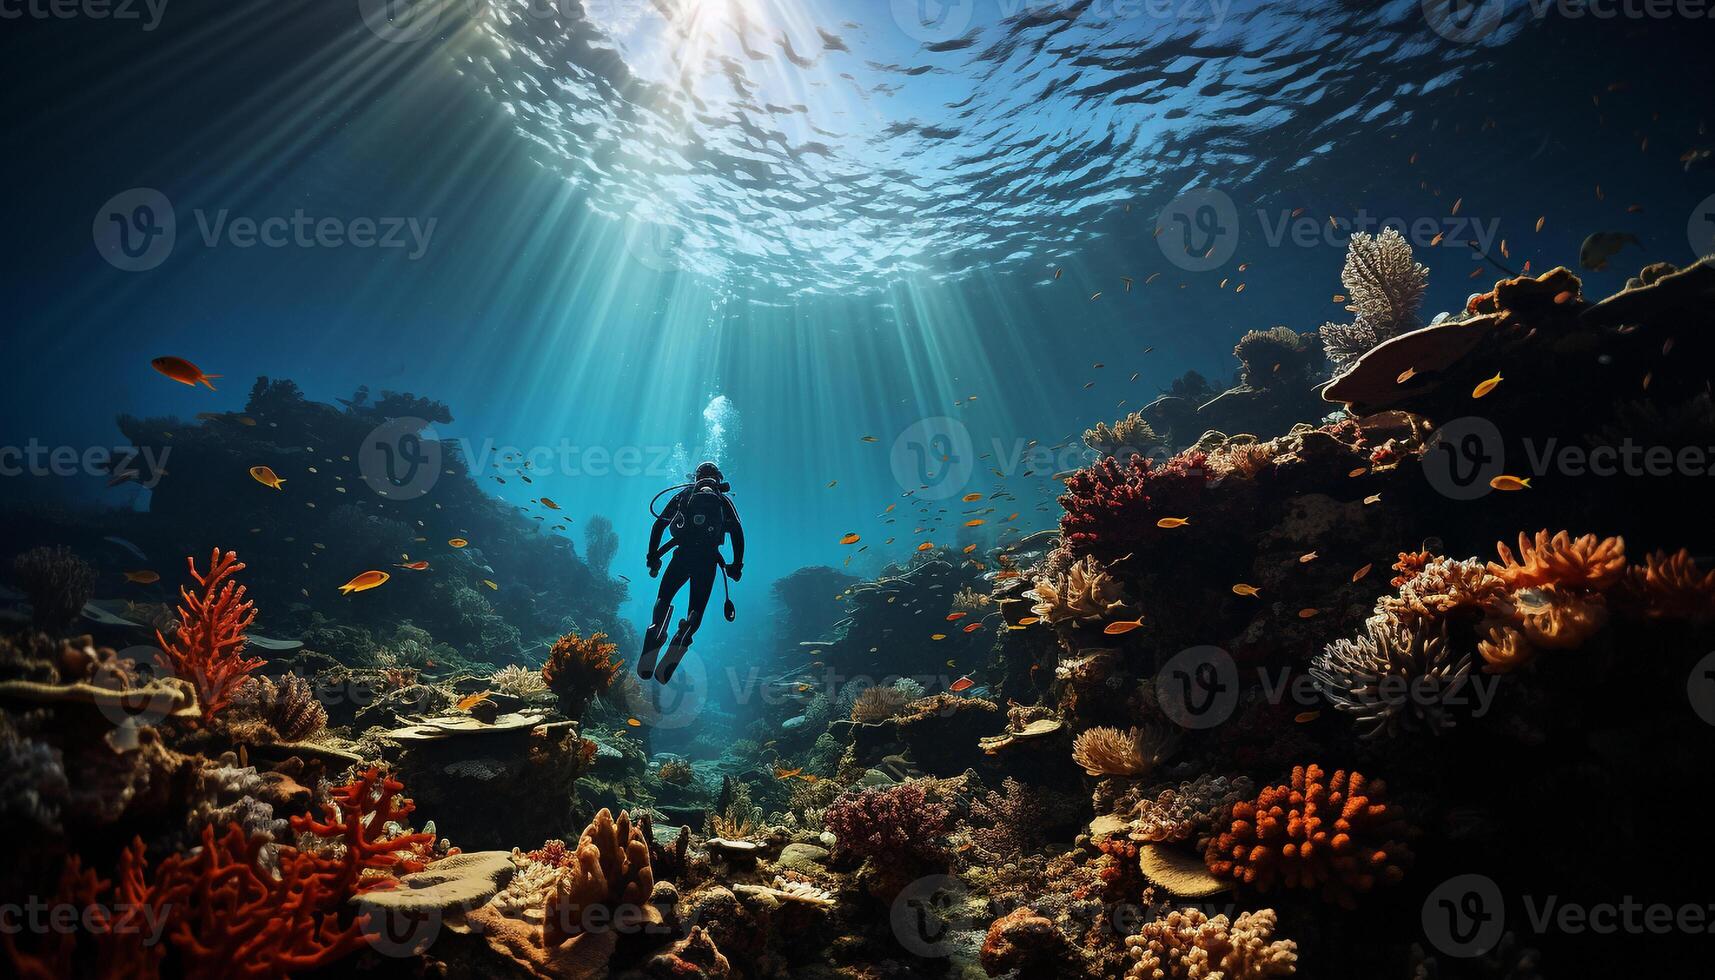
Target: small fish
1374,498
956,616
1171,522
457,542
634,723
1030,621
265,476
182,371
1306,717
1309,613
925,546
970,548
1057,273
364,582
961,685
1486,386
1405,376
1563,297
470,701
1541,221
490,584
415,566
1245,588
1360,471
143,577
970,497
869,439
973,627
1307,557
1506,482
852,538
831,484
937,636
1360,573
975,522
1122,627
550,504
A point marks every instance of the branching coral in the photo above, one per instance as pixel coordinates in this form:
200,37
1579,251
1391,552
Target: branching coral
607,882
1111,507
518,682
289,707
1185,944
1129,435
1333,834
57,583
1393,677
1587,562
1111,752
207,648
1436,591
1190,810
1277,354
1083,593
889,823
1385,287
364,821
579,668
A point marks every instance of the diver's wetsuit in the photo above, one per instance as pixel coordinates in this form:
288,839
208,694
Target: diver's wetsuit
696,559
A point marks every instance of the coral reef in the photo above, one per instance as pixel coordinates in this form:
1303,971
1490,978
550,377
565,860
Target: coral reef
1185,944
207,647
288,708
1384,285
1084,593
1121,440
1112,507
579,668
607,879
57,584
1106,751
1394,677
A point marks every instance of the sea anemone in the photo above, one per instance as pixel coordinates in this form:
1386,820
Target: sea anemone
1186,944
518,682
876,704
1392,677
1110,752
1586,562
1333,834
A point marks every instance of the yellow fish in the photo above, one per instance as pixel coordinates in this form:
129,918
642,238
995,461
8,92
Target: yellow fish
265,476
1486,386
1168,522
1505,482
1123,626
491,585
851,538
470,701
457,542
364,582
1245,588
937,636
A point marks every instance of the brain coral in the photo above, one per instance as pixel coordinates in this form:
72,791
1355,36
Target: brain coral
1333,834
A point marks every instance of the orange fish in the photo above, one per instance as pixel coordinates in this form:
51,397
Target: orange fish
1030,621
265,476
970,548
1405,376
1486,386
851,538
925,546
1360,573
975,522
1307,557
1305,717
1374,498
973,627
143,577
1563,297
470,701
550,504
1170,522
969,497
1505,482
956,615
182,371
415,566
364,582
1245,588
1360,471
634,723
457,542
1308,613
962,684
1123,626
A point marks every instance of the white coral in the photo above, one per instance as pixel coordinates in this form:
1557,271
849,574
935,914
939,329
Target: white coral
519,682
1384,288
1084,593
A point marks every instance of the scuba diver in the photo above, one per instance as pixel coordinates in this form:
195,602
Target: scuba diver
701,516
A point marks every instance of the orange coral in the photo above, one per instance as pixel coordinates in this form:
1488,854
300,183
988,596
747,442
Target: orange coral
606,883
579,668
1332,834
1670,586
1504,649
357,818
1562,620
1409,564
1587,562
208,644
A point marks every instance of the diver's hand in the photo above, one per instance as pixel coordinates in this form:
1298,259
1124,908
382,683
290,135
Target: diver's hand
654,567
735,571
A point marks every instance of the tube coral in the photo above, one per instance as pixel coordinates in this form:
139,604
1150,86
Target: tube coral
1333,834
208,644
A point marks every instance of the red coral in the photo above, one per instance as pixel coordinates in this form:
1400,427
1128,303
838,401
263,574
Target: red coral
357,818
118,926
208,645
1111,507
889,824
1334,834
554,853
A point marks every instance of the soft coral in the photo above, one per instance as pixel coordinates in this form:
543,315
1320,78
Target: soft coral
1111,507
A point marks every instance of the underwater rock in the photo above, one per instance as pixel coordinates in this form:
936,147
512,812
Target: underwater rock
452,885
942,732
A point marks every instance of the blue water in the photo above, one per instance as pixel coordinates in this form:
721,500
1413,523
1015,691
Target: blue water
762,231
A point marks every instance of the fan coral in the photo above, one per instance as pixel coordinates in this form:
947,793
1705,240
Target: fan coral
889,823
580,668
1385,286
357,818
1332,834
1270,356
207,647
1587,562
1111,752
1670,586
1185,944
1392,677
1127,436
57,583
518,682
1111,507
289,708
1243,460
608,881
1190,810
1083,594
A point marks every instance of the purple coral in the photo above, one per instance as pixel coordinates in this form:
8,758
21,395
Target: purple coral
889,823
